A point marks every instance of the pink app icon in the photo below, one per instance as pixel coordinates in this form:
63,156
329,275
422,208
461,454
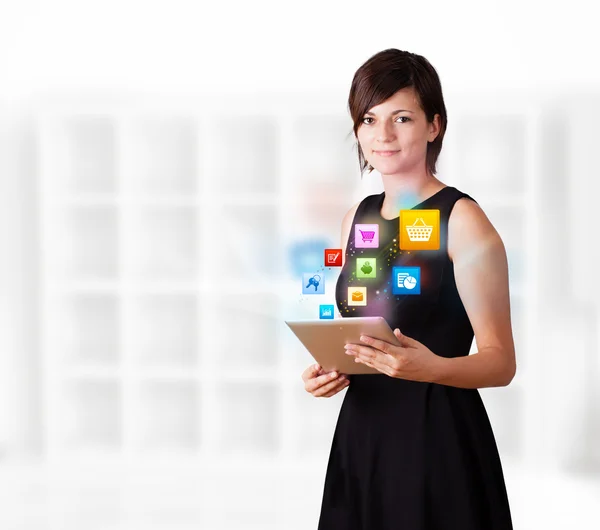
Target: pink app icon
366,236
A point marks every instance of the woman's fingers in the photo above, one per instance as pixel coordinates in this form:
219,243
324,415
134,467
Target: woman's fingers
311,372
321,384
323,380
328,384
338,388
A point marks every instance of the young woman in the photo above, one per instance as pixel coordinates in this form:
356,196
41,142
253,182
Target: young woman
413,448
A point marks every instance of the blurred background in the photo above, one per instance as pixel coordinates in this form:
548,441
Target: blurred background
167,169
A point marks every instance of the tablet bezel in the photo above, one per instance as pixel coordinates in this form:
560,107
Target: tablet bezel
325,340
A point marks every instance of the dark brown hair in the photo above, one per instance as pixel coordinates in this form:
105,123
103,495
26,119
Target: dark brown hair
381,76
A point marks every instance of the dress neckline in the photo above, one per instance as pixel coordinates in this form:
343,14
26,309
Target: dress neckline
382,198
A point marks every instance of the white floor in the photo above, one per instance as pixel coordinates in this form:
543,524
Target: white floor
35,499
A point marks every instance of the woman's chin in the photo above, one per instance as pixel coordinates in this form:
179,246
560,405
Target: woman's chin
391,168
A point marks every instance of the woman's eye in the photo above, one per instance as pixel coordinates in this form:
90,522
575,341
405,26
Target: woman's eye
399,117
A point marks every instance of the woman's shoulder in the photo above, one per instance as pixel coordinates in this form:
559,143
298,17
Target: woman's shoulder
460,195
469,226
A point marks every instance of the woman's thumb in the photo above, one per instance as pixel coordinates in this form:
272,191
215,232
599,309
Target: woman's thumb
405,341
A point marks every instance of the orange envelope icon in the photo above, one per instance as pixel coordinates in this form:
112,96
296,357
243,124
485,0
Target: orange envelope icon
357,296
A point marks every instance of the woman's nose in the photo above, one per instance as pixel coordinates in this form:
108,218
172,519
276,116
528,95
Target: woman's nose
385,133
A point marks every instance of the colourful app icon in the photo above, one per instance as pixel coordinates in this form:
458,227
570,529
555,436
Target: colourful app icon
357,296
366,267
366,236
406,280
325,311
419,229
313,283
333,257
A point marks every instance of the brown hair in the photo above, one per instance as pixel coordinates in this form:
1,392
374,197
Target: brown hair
381,76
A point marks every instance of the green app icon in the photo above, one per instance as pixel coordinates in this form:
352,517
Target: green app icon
366,267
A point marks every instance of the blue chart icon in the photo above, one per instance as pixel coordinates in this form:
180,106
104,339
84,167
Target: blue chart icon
406,280
313,283
325,311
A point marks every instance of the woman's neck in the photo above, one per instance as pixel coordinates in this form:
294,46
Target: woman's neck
407,192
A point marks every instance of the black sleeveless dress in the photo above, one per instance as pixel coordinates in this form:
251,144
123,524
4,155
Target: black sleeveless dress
409,455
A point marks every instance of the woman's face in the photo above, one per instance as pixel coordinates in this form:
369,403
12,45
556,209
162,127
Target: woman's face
396,142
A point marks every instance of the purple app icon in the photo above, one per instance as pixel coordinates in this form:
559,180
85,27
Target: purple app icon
366,236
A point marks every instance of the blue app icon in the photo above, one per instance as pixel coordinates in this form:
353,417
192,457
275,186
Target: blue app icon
325,311
313,283
406,280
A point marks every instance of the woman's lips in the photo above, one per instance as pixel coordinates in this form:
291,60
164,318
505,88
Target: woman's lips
386,153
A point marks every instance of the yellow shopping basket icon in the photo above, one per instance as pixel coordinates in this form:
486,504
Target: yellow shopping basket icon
419,233
419,229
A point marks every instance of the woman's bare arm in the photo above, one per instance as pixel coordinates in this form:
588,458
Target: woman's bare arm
481,274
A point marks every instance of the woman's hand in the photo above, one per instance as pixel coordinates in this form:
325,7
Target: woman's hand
321,384
411,360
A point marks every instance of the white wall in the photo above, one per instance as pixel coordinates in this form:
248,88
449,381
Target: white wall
191,46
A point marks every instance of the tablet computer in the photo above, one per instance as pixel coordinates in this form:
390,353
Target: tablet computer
325,340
